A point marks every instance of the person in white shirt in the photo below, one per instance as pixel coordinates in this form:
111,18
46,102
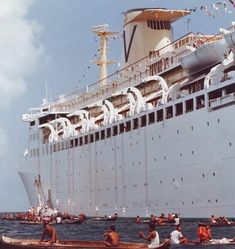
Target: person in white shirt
176,237
152,236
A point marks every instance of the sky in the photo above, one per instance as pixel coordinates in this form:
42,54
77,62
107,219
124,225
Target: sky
47,48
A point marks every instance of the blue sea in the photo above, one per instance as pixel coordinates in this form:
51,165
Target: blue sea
128,230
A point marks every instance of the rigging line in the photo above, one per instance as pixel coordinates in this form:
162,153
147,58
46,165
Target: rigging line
115,172
90,176
123,175
73,152
146,170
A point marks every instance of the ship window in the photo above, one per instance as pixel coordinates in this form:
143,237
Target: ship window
86,139
121,128
115,130
32,123
200,102
54,148
108,132
169,112
51,149
76,142
71,143
151,117
189,105
135,123
159,115
80,141
97,136
91,138
143,120
128,125
179,109
102,134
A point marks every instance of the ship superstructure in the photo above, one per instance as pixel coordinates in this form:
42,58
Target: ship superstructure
157,136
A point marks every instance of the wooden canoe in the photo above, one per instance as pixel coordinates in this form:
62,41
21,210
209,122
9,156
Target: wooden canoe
11,243
104,219
232,224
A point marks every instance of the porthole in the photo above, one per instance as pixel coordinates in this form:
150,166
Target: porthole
218,120
191,127
177,131
192,152
180,154
203,175
230,144
213,173
165,157
208,123
159,136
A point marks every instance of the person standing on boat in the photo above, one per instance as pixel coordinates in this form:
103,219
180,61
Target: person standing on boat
176,237
112,238
50,232
152,236
204,233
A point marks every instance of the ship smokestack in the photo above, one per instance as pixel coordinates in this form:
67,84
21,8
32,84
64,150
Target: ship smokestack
147,31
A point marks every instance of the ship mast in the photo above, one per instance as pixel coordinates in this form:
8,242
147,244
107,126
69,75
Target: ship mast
102,32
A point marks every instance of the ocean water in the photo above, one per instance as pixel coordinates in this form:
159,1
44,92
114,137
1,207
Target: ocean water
128,230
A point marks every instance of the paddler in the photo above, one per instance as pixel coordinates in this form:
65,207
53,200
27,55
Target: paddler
50,232
204,233
112,238
152,236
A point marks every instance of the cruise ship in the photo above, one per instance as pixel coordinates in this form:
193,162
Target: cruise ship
156,136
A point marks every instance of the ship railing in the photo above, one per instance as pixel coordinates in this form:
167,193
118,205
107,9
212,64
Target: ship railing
133,74
222,101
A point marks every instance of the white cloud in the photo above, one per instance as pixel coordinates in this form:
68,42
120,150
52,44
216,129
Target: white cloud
19,49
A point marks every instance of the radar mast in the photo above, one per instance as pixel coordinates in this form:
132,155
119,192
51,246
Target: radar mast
102,32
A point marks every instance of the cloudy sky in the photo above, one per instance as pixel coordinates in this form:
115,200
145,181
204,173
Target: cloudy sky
50,43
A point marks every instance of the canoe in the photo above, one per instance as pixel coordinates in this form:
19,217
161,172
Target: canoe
74,221
219,224
212,242
27,222
104,219
10,243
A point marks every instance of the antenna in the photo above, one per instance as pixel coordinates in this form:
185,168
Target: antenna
188,23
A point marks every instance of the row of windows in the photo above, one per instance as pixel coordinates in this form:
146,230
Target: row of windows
159,24
158,116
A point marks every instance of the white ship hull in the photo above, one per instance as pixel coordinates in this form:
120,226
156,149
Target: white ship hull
182,163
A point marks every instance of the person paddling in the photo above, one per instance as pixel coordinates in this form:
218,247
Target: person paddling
112,238
50,232
204,233
177,237
152,236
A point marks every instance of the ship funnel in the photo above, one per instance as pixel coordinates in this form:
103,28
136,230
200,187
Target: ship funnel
148,31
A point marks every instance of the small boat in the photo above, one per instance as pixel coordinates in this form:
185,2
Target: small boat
30,222
73,221
113,218
219,224
11,243
212,242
